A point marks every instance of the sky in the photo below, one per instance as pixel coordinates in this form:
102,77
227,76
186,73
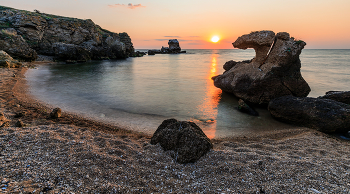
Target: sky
322,24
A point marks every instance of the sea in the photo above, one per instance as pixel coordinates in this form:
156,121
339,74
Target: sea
139,93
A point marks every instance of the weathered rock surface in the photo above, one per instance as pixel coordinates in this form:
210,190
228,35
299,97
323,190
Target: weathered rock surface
340,96
322,114
7,61
42,33
15,45
174,46
186,139
270,74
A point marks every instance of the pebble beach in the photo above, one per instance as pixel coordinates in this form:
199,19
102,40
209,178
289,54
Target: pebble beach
77,155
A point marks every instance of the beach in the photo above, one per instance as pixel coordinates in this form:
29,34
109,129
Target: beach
77,155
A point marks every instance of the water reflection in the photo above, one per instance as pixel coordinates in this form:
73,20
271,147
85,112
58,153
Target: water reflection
210,103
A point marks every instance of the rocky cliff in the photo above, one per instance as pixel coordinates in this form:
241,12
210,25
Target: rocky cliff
25,34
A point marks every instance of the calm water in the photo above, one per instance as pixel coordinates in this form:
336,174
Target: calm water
139,93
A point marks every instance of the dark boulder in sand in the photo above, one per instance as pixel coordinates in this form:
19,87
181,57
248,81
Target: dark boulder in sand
274,72
340,96
186,139
324,115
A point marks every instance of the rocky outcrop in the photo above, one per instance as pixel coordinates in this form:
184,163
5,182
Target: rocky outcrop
274,72
55,35
185,139
340,96
322,114
7,61
15,45
174,48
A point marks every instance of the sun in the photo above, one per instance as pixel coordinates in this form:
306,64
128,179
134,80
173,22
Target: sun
215,39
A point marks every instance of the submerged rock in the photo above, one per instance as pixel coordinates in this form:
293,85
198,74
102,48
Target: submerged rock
245,108
322,114
186,139
274,72
340,96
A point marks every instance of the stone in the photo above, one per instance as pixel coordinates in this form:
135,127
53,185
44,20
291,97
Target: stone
324,115
271,74
5,124
7,61
2,117
56,113
340,96
245,108
186,139
19,123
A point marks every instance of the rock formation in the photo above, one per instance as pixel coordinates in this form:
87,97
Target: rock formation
185,139
322,114
274,72
15,45
340,96
7,61
174,48
30,33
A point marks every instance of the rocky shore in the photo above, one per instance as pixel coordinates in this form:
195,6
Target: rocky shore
24,35
76,155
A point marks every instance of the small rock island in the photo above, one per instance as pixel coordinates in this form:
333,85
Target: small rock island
174,48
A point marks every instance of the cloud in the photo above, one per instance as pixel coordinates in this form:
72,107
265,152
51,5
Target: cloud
172,36
161,39
130,5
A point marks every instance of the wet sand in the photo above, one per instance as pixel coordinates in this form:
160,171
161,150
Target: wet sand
77,155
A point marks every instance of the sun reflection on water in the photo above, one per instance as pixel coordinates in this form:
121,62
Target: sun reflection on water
210,103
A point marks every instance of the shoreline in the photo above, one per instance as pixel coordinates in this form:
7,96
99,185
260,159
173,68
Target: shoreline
74,154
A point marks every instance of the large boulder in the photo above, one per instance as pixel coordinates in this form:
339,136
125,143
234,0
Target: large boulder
340,96
7,61
16,46
322,114
186,139
274,72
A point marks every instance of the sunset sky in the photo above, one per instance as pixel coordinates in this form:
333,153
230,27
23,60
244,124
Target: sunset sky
151,23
